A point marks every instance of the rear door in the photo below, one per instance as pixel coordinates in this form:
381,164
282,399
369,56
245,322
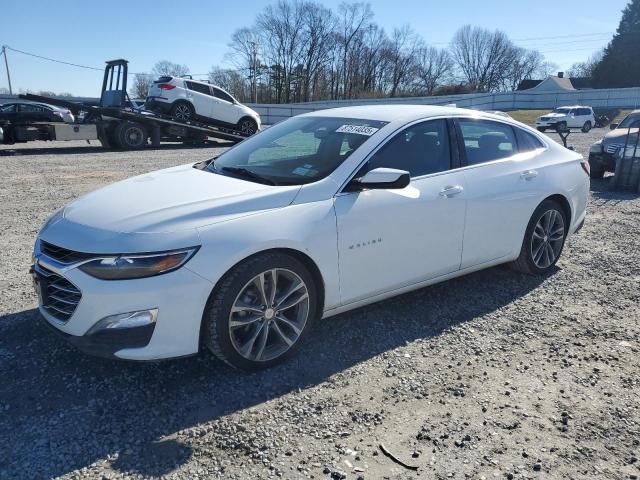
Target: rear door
502,188
224,108
199,94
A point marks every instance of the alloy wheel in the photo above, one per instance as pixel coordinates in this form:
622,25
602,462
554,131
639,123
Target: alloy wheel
547,239
248,127
182,112
269,315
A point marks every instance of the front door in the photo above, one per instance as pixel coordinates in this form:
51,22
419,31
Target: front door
388,239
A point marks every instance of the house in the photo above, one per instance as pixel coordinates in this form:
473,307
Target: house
555,83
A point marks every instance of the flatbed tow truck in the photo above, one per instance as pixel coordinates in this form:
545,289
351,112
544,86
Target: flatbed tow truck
116,122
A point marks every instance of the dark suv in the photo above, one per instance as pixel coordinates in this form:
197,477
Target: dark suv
602,155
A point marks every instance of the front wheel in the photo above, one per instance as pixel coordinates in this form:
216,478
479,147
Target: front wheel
586,127
261,311
543,240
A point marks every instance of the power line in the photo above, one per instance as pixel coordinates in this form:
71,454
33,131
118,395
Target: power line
53,59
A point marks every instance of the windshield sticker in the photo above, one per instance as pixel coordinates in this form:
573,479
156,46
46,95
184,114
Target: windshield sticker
305,171
359,129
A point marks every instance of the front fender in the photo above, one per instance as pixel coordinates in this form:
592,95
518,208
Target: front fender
309,228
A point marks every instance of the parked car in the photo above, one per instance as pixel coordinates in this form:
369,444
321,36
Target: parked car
186,99
602,155
567,117
25,112
319,214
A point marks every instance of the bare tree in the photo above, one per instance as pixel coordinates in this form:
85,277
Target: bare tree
141,84
525,66
586,68
483,57
232,81
432,67
401,49
353,18
165,67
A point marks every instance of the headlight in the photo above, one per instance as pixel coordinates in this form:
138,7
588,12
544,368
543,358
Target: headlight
596,147
126,266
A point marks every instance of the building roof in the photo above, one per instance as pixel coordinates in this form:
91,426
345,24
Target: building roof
555,84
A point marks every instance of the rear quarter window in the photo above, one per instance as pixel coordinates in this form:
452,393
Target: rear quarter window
527,142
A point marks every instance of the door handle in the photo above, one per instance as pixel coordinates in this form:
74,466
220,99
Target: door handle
529,174
451,191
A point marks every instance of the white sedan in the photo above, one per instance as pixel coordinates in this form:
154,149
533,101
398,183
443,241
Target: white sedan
317,215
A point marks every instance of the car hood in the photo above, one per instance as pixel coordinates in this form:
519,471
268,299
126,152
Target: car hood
619,136
174,199
554,115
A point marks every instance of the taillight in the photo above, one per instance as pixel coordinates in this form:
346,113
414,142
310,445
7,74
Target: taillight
166,86
586,167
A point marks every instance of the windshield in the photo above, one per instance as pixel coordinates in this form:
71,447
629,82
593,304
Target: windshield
562,110
630,120
297,151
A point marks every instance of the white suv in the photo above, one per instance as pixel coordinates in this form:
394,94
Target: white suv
186,99
567,117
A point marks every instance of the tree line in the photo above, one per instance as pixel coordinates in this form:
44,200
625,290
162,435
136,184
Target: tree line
300,51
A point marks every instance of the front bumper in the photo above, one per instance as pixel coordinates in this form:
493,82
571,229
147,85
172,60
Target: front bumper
602,161
179,297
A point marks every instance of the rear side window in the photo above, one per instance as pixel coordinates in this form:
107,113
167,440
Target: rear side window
485,140
222,95
199,87
8,108
527,142
584,111
420,149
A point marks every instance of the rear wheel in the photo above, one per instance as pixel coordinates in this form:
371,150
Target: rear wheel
586,127
248,126
543,240
182,111
260,312
130,136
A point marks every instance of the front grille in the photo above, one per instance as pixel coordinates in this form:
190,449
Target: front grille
63,255
613,147
59,296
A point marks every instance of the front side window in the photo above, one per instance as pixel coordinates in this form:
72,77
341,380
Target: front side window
27,107
297,151
563,111
420,150
485,140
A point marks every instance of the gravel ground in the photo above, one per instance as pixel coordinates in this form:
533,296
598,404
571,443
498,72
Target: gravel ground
493,375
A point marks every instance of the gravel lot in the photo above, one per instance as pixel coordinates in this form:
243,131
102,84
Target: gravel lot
493,375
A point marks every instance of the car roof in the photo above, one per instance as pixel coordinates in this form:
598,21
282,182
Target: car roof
390,113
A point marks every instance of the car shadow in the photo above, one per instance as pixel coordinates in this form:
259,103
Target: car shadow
95,148
55,397
604,193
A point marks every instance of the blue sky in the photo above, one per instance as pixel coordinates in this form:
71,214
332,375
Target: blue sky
196,32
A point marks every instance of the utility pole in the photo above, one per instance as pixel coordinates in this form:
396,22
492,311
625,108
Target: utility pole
254,65
6,64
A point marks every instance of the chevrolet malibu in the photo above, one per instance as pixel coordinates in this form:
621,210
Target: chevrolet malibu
317,215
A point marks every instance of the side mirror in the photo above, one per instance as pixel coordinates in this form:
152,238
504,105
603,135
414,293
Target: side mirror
382,178
613,126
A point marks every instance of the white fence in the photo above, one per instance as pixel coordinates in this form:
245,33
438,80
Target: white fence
600,98
523,100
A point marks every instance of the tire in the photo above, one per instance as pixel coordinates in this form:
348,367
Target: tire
542,129
247,126
182,111
130,136
529,260
596,173
238,291
586,127
561,127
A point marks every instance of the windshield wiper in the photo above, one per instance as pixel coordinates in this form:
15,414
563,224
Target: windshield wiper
241,171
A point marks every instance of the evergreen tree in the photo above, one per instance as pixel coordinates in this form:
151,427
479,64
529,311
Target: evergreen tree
620,65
